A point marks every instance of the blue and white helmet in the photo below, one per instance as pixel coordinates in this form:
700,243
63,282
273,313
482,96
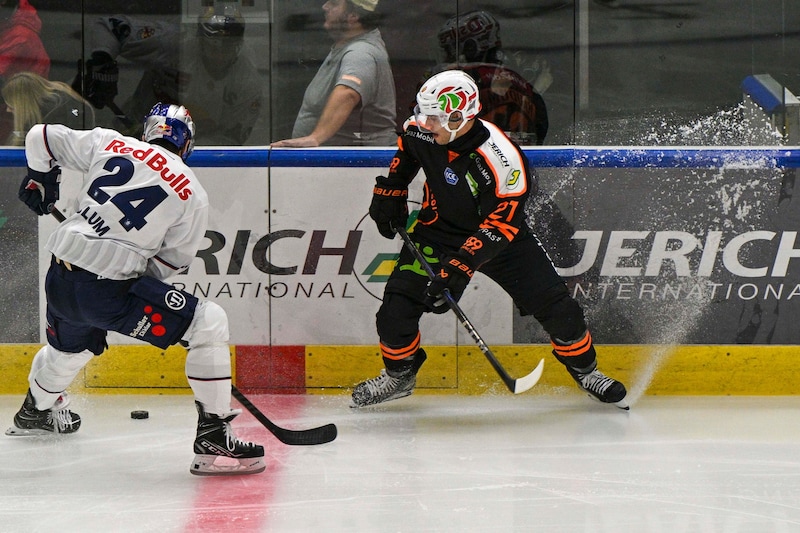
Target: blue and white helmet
172,123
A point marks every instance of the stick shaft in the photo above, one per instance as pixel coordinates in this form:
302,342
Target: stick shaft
305,437
462,317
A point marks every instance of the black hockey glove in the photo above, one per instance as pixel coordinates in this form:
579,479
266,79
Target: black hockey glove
389,207
454,275
39,190
102,76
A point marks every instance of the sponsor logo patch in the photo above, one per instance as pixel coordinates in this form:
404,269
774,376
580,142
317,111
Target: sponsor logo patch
175,300
450,177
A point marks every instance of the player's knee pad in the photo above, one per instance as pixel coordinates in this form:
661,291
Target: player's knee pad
209,326
397,320
57,363
562,317
209,358
52,371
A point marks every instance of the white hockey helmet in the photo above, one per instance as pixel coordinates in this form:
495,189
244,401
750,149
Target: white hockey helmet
450,97
170,122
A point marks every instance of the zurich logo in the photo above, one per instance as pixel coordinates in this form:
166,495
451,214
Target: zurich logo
450,177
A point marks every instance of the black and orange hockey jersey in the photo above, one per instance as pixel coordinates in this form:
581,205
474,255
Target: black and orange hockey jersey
475,189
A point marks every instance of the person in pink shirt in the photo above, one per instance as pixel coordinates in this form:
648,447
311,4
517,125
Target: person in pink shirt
21,48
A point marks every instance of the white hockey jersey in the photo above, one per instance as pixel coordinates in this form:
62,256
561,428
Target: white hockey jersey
140,210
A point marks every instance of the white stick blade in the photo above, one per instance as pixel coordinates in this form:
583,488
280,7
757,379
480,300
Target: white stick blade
525,383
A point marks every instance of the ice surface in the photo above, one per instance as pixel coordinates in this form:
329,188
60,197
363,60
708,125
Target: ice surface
423,463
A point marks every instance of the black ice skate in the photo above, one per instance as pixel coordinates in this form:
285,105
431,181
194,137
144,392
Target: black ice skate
31,421
387,386
599,386
390,384
217,450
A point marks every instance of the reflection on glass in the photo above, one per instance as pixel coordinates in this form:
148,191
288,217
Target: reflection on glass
672,73
201,61
616,72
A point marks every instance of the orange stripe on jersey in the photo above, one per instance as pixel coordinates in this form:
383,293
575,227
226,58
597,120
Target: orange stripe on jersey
498,218
508,231
397,354
575,349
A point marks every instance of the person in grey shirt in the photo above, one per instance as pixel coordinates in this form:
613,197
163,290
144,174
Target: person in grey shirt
351,100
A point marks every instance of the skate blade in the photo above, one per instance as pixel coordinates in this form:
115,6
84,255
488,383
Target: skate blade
215,465
622,404
354,405
14,431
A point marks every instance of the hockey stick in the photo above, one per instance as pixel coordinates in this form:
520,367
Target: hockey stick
514,385
304,437
120,115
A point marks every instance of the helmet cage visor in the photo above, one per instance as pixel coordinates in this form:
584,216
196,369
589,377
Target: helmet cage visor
447,121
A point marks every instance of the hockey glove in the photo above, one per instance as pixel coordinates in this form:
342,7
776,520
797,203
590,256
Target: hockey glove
389,207
102,76
454,275
39,190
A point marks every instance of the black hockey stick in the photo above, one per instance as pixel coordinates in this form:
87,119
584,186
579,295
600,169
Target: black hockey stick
514,385
304,437
58,215
120,114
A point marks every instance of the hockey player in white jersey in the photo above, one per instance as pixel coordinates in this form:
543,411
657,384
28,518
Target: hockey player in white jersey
141,216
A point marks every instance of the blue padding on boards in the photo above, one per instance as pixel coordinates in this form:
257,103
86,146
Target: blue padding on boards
556,157
765,91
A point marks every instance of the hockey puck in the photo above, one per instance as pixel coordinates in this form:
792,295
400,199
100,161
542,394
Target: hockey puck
140,415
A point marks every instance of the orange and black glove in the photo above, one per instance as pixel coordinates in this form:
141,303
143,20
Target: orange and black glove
389,207
452,275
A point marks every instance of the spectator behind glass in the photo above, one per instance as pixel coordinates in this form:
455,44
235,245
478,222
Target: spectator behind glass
351,100
21,48
206,68
471,42
32,99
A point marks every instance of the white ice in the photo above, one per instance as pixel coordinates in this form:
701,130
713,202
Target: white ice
424,463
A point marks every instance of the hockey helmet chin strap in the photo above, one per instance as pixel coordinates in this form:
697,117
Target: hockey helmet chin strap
443,119
454,132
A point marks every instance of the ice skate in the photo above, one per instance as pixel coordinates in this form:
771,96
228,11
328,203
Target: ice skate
599,386
217,450
31,421
387,386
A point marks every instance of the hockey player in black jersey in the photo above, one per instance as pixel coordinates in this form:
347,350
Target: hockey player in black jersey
472,219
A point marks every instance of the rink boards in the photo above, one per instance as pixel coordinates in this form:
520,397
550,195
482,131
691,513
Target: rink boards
684,259
647,370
